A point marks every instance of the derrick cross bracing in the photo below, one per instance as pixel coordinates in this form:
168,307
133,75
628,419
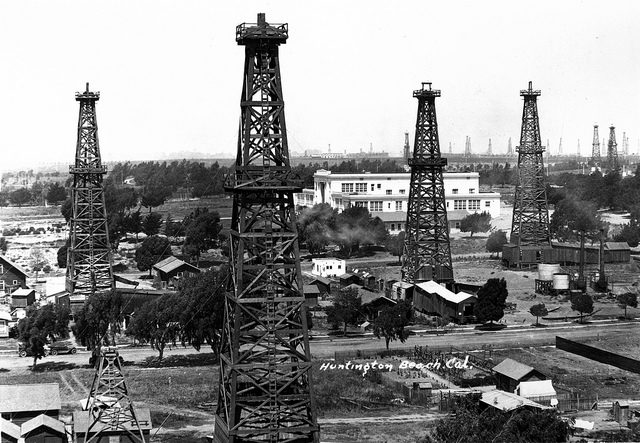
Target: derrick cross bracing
89,257
110,410
530,224
595,149
612,151
265,364
427,251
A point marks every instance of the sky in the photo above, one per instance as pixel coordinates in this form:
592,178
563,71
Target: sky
170,73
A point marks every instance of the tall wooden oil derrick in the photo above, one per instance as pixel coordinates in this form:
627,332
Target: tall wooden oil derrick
111,412
530,223
265,363
596,161
427,251
612,151
89,255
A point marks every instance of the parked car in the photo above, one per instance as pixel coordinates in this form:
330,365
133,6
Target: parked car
22,351
62,348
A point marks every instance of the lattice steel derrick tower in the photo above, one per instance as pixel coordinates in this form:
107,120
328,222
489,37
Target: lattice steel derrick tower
612,151
407,146
427,251
111,412
530,225
595,150
89,256
265,363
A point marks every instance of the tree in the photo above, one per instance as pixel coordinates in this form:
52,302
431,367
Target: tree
476,223
157,322
345,308
572,216
390,323
539,310
56,193
132,223
152,223
471,424
152,250
66,209
155,194
355,226
20,196
627,299
173,228
37,260
395,245
583,303
40,326
495,241
99,320
201,232
491,302
201,310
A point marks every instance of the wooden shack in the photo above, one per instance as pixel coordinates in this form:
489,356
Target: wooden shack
434,299
509,374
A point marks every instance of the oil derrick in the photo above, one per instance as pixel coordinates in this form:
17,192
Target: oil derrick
560,147
612,151
509,148
595,150
489,149
530,225
89,256
467,147
427,252
265,364
111,412
625,144
407,147
578,149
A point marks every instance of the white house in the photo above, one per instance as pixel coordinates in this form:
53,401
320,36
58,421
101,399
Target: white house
387,195
328,267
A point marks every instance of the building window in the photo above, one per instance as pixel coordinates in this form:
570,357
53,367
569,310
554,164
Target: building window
375,206
1,269
457,225
15,282
379,186
388,205
399,206
487,204
347,187
472,190
454,191
1,285
459,204
361,187
360,204
373,187
401,191
474,204
393,226
388,191
447,204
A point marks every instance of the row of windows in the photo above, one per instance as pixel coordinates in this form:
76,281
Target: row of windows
362,187
472,204
376,206
456,191
401,226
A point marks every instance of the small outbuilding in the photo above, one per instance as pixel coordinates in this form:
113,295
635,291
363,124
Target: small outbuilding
5,319
347,279
508,401
621,412
432,298
81,426
510,373
172,269
323,284
540,391
43,429
328,267
401,290
311,295
12,276
23,297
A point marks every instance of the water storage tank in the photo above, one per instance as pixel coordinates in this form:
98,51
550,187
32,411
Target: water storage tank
560,281
546,271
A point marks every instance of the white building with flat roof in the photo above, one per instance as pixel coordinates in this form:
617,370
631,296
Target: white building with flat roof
386,195
328,267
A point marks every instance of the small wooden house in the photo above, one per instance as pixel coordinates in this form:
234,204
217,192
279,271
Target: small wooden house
23,297
9,432
311,295
172,269
43,429
509,374
432,298
20,403
12,276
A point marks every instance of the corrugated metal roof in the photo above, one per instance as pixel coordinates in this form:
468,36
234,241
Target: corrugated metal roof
31,397
512,369
434,288
507,401
43,420
171,264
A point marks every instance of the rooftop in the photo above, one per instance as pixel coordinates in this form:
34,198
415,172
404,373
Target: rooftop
10,429
13,265
172,263
434,288
29,397
43,420
512,369
506,401
539,388
22,292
